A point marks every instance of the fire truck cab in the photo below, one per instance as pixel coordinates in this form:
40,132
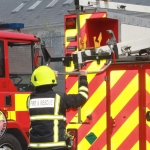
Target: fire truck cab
17,61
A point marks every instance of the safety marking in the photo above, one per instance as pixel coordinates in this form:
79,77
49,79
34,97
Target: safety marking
120,135
127,93
147,76
72,117
21,102
98,129
136,146
131,141
147,145
121,83
11,115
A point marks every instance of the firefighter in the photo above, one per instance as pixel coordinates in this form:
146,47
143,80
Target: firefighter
47,109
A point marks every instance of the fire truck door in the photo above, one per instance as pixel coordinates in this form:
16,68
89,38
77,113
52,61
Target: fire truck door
123,110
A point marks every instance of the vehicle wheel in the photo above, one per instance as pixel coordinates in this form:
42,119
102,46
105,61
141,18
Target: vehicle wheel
9,142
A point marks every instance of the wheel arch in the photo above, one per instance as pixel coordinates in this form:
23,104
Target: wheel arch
15,129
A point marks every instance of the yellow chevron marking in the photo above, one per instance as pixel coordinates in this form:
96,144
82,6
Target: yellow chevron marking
97,97
125,96
83,18
20,102
11,115
147,82
116,75
89,106
147,145
136,146
97,129
71,32
69,69
104,148
105,15
125,129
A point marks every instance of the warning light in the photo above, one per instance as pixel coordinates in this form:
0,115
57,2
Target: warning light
71,23
13,26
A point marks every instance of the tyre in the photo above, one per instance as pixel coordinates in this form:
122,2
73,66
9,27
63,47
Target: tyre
9,142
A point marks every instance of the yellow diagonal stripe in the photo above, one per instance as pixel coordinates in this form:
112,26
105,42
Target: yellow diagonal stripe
124,96
136,146
124,131
72,32
97,129
116,75
147,145
21,102
147,83
83,19
89,106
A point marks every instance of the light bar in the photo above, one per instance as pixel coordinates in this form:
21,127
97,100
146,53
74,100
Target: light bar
12,26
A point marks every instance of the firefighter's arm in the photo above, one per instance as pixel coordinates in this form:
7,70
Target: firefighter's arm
77,100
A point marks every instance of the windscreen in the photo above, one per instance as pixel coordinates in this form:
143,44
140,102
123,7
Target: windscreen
20,65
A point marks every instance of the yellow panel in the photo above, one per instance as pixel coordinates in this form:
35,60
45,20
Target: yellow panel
104,148
127,93
116,75
136,146
84,146
125,130
71,32
21,102
147,145
11,115
147,82
97,129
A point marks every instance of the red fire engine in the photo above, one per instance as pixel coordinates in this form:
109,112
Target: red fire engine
116,115
18,58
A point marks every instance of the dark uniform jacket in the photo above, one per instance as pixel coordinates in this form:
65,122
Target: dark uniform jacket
47,110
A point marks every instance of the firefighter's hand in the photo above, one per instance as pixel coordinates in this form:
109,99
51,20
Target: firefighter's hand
56,73
82,72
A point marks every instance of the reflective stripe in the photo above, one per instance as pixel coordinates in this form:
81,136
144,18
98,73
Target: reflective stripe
47,144
47,117
56,111
83,88
84,94
28,103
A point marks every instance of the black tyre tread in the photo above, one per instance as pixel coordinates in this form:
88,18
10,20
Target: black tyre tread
8,138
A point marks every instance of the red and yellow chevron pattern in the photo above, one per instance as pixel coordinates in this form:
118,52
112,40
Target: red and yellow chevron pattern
117,106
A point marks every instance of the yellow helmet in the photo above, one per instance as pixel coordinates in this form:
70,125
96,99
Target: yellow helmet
43,75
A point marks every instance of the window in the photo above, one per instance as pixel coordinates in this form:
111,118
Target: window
19,7
2,63
52,4
20,65
35,5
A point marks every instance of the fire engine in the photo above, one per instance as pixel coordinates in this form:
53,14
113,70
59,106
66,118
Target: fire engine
18,58
117,113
